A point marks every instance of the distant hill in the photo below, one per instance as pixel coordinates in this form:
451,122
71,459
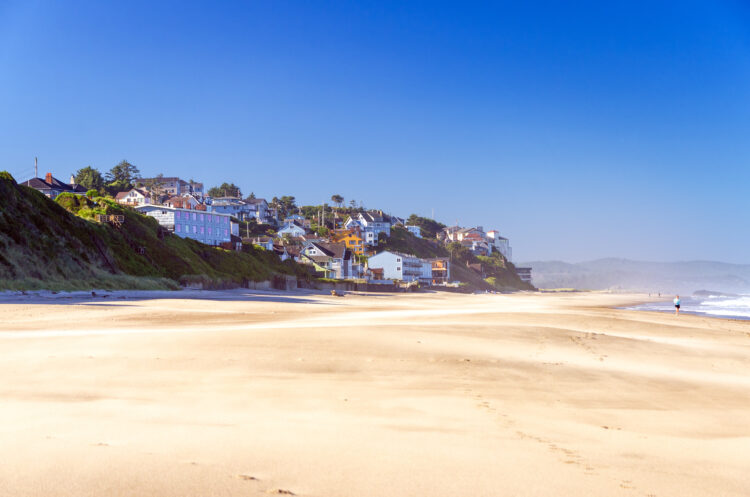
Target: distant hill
45,245
624,274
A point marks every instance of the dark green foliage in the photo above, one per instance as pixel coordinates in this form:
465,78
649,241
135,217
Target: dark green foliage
337,199
124,172
224,190
45,246
89,178
6,176
120,178
286,205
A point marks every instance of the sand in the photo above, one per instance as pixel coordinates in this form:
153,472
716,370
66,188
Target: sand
377,395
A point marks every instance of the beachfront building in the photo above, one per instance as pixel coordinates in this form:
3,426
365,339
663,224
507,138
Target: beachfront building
441,270
52,187
330,260
524,273
207,227
403,267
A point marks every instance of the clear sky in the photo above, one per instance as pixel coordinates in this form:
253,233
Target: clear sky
600,129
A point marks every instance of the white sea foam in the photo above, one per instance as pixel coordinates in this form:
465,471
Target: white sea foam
737,307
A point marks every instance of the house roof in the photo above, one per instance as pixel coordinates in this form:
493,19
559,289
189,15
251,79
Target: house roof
55,184
256,201
375,217
334,250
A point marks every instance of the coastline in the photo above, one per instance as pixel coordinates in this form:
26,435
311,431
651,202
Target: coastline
371,395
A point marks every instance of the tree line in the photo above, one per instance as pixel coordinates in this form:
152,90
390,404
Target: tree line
118,179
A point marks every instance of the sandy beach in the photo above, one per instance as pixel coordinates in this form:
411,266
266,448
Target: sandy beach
370,395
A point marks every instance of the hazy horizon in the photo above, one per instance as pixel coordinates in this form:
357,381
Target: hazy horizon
580,132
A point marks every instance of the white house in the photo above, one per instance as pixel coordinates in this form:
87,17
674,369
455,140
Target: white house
371,223
414,230
501,244
404,267
207,227
133,197
171,185
292,229
233,206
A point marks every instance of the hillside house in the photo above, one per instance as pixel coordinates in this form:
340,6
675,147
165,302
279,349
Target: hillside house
234,206
265,242
296,218
208,228
371,224
263,214
414,230
171,186
351,239
52,187
133,197
185,202
500,243
292,229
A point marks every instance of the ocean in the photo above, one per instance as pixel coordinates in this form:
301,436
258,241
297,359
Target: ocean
718,306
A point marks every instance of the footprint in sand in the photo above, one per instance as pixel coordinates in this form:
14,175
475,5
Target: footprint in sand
247,477
280,491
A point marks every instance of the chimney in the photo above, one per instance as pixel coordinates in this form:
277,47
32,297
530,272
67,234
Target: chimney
48,178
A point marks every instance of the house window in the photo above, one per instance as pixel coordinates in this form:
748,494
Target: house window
195,216
177,228
202,230
398,268
195,229
209,230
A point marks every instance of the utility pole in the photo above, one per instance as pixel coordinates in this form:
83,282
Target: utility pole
36,170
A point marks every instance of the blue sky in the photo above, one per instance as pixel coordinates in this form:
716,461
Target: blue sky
600,129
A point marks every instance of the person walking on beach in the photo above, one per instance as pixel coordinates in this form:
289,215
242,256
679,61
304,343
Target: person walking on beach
677,304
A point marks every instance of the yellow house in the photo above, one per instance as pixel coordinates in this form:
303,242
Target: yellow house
351,239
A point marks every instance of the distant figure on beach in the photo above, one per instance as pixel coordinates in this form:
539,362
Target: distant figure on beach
677,304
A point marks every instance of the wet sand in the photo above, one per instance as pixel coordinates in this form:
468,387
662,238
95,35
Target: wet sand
379,395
